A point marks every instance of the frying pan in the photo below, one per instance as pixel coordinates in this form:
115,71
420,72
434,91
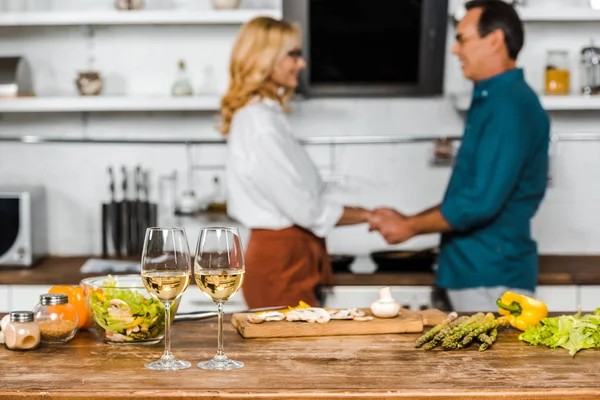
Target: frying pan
341,262
405,260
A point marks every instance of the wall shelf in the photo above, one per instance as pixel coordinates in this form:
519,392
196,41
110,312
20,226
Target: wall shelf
555,14
551,14
108,104
462,102
316,140
143,17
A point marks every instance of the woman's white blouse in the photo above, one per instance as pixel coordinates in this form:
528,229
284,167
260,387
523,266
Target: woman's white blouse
271,181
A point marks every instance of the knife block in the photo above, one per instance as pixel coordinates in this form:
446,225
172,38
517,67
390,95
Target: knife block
124,226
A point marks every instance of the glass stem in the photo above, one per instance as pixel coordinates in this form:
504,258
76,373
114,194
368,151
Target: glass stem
220,351
167,329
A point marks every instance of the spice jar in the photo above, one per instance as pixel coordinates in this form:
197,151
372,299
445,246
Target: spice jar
56,318
590,70
557,73
22,332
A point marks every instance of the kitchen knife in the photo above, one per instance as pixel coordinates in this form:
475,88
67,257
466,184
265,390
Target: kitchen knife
114,215
209,314
125,215
142,211
135,212
104,230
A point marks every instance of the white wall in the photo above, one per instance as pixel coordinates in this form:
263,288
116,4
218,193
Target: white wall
140,60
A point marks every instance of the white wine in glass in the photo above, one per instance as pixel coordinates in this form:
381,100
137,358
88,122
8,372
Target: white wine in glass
219,284
166,270
219,272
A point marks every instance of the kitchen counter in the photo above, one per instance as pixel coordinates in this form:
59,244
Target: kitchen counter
554,270
378,366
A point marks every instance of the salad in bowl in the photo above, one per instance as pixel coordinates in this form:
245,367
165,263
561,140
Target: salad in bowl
122,310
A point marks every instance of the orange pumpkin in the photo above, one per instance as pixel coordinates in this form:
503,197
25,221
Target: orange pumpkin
77,300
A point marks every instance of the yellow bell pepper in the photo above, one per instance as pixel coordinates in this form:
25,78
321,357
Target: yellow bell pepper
521,311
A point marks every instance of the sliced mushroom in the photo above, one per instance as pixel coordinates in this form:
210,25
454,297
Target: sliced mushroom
119,308
256,319
266,316
313,314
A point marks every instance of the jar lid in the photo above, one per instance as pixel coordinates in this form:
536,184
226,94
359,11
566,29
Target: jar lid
21,316
52,299
591,49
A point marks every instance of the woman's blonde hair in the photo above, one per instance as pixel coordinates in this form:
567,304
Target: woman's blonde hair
260,45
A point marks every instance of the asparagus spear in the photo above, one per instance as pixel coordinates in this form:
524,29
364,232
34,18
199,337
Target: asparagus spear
493,336
485,338
433,331
445,331
448,328
488,323
450,342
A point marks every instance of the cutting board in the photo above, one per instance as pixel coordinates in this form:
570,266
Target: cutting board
407,322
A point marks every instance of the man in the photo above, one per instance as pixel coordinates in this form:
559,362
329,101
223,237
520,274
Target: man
500,173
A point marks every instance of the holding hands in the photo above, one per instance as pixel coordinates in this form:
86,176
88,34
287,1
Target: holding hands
392,225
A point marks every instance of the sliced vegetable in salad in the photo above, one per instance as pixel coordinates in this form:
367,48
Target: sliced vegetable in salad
125,315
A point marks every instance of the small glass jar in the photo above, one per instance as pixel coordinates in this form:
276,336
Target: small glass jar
590,70
56,318
558,76
22,332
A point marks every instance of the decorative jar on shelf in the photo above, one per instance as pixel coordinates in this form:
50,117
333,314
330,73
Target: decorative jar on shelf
590,70
226,4
89,83
558,76
129,4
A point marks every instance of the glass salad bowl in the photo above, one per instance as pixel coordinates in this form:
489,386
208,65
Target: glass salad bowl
122,310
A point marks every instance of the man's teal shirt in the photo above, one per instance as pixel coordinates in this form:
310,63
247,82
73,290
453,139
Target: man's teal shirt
497,185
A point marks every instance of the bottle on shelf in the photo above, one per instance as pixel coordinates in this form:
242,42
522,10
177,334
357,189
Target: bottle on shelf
218,203
590,70
558,76
182,85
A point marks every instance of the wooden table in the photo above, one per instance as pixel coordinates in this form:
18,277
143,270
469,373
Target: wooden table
377,367
554,270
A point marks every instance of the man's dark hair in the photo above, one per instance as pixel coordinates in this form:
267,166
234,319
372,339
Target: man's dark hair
497,14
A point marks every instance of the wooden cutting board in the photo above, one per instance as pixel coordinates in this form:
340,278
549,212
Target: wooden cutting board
407,322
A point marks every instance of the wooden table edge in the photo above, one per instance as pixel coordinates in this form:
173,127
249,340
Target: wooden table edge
304,394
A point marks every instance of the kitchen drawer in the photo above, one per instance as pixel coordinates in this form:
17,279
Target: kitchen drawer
589,297
559,298
4,299
25,297
195,300
412,297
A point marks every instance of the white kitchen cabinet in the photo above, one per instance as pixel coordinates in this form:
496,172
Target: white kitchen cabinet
194,300
559,298
25,297
589,297
4,299
412,297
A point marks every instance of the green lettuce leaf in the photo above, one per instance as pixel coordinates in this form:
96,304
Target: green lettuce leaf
572,332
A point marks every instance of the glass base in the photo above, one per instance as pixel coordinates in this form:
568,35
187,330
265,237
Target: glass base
168,363
220,363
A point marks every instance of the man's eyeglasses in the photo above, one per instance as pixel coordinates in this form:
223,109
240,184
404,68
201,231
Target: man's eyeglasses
461,39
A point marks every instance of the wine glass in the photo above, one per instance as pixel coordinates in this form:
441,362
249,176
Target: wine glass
219,271
166,273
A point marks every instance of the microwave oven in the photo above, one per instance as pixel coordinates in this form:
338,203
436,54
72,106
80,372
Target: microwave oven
23,236
375,48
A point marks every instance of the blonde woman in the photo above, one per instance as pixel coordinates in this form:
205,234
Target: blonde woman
273,186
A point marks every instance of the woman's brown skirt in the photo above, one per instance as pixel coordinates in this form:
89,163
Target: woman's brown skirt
285,266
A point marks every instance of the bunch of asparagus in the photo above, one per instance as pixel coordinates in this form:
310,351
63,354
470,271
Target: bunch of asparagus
456,333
